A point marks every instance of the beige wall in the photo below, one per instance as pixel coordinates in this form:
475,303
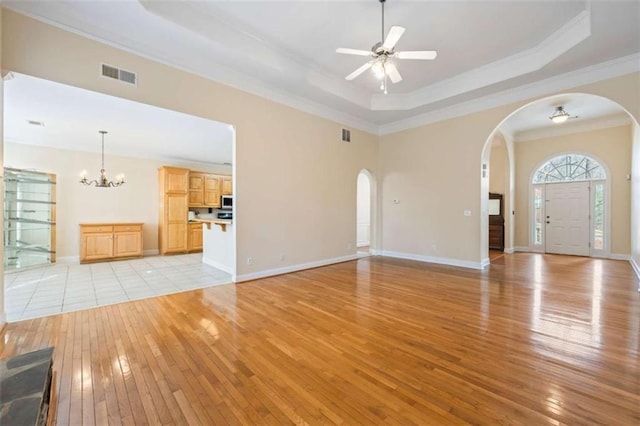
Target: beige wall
434,171
296,191
295,181
635,198
136,201
612,146
499,168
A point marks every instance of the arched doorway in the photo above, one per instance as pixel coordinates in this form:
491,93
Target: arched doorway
594,137
365,205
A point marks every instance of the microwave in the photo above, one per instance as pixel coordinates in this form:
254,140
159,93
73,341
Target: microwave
226,202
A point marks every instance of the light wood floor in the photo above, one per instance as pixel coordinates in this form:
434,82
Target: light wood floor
534,339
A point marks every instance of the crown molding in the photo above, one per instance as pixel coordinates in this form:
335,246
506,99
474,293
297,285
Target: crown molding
606,122
223,75
602,71
568,36
572,32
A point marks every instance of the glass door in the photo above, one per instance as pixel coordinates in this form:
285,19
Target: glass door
29,218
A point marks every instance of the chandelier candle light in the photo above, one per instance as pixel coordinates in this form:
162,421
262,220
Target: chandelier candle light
102,181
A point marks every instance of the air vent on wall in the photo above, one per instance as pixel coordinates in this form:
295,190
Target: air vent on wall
119,74
36,123
346,135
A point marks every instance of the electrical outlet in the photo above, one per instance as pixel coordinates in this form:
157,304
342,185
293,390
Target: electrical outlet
349,246
249,261
282,257
434,247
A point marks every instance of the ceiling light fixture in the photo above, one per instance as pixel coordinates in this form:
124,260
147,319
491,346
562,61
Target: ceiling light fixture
102,181
559,115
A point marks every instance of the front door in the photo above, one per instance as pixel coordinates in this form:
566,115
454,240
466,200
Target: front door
567,218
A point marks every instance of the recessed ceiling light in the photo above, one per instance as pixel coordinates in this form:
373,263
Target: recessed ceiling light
36,123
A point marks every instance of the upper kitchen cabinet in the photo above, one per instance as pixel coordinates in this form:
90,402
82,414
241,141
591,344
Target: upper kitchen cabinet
227,188
196,189
172,222
205,189
212,187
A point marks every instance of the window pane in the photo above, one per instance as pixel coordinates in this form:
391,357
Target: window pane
598,217
569,168
537,215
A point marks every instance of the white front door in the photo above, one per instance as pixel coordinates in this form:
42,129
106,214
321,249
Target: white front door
567,218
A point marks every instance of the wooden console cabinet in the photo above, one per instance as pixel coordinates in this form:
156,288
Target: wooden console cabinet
108,241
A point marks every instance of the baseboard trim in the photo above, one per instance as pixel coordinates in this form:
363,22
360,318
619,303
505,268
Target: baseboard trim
617,256
68,259
526,249
486,262
431,259
509,250
217,265
293,268
636,268
151,252
373,252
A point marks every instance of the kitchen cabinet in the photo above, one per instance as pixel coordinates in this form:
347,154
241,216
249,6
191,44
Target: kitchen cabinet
227,188
174,200
108,241
205,189
195,237
212,186
196,189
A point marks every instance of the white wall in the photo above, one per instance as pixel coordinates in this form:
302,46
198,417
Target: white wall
635,199
363,208
135,201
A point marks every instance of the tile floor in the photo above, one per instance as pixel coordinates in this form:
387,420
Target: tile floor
63,288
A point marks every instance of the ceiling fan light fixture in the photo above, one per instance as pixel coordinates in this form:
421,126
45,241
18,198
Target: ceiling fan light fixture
560,115
378,69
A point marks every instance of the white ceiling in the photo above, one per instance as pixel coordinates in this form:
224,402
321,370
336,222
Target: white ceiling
285,50
72,118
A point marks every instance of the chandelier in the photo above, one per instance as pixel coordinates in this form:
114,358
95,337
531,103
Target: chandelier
102,181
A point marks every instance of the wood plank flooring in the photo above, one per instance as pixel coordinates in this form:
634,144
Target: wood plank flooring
533,339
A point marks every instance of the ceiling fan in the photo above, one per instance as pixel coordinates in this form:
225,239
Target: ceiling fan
381,52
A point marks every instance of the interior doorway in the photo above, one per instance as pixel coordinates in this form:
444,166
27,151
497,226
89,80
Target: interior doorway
363,215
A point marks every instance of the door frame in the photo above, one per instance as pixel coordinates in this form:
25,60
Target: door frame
540,248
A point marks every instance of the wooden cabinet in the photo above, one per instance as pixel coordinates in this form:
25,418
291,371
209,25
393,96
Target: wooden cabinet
212,186
196,189
227,188
195,237
496,222
174,184
205,189
108,241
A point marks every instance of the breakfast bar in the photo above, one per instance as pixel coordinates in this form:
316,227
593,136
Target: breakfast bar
218,244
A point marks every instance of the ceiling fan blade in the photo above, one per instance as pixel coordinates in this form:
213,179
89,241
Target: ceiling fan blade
358,52
392,38
393,73
358,71
418,54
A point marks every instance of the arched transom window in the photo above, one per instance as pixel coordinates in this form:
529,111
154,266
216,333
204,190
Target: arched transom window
569,168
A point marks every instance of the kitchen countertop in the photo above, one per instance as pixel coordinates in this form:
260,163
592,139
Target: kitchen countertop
220,222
